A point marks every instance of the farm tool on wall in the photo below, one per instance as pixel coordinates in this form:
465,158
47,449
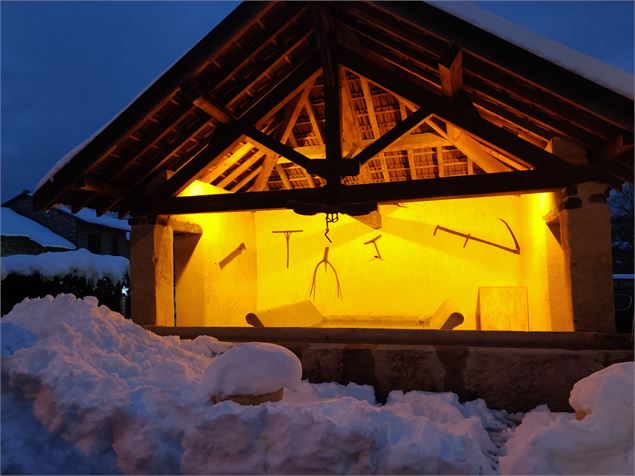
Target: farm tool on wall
287,235
469,237
326,262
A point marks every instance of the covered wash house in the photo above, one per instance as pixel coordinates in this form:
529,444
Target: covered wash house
454,170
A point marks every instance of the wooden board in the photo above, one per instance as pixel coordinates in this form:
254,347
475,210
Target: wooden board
503,309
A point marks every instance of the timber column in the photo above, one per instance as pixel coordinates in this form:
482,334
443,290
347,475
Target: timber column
585,224
151,271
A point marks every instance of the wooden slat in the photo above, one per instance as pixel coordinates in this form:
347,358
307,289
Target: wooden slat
223,165
440,164
370,107
238,171
465,186
246,180
314,124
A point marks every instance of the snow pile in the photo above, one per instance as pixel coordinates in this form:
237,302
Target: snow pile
79,262
600,443
14,224
87,391
251,369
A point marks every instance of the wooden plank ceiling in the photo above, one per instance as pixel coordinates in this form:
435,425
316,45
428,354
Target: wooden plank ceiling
286,96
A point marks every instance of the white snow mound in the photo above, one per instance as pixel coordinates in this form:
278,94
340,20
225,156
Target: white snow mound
600,443
87,391
251,369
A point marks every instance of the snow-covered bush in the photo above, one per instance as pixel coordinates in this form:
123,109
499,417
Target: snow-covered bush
78,272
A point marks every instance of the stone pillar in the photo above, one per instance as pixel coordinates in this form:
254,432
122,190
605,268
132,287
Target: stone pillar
585,230
152,272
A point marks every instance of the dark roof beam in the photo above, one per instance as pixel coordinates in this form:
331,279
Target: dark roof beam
530,181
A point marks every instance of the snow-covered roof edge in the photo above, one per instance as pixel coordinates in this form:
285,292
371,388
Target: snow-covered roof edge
14,224
610,77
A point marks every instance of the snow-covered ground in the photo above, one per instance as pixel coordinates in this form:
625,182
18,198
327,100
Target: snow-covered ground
79,262
87,391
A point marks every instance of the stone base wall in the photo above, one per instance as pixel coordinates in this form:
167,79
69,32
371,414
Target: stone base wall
515,371
509,378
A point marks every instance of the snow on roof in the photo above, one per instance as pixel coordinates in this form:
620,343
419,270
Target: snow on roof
79,262
14,224
593,69
90,216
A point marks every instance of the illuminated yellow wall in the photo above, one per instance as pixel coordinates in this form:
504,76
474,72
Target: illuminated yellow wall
207,295
417,273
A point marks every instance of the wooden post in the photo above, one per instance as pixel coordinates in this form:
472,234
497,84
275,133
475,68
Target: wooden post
585,227
152,272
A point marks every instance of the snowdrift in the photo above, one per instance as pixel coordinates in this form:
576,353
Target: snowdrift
87,391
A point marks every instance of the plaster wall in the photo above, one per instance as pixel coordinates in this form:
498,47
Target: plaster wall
206,294
418,269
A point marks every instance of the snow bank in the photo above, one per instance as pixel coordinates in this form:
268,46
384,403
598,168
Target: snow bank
95,391
80,262
600,443
14,224
251,369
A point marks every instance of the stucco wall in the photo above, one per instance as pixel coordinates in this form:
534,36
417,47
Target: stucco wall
418,270
207,295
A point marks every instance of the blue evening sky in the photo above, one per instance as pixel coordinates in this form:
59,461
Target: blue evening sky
69,67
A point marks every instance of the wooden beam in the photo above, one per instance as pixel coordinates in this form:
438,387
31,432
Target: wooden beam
314,124
440,164
395,80
451,72
100,187
182,227
237,172
370,107
246,180
470,148
279,148
466,186
283,177
326,32
291,114
411,160
405,126
225,163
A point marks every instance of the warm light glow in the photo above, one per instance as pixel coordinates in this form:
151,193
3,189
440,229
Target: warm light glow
414,272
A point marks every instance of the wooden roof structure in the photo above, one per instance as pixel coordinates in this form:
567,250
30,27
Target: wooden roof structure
339,102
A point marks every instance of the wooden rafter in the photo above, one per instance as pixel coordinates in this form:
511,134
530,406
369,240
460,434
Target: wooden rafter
451,73
470,147
328,51
291,115
314,124
246,180
238,171
222,166
411,159
283,177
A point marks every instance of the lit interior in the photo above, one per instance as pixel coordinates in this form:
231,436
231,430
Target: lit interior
239,266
